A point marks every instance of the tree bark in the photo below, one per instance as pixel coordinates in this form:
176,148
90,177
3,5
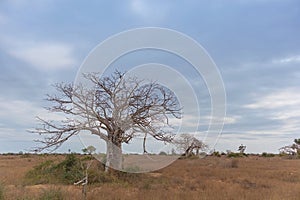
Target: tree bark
114,160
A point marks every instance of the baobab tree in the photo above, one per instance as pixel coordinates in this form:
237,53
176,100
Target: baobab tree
190,145
242,149
117,108
291,149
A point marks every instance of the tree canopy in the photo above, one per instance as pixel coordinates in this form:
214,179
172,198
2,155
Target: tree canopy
188,145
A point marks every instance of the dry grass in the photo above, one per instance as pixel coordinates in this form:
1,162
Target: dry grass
209,178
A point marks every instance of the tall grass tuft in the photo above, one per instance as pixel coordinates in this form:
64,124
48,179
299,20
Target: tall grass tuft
1,191
51,194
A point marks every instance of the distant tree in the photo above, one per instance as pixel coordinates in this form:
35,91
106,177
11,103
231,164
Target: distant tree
189,145
116,109
89,150
291,149
162,153
242,149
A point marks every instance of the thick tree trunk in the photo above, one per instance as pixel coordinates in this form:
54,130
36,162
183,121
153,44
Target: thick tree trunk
114,158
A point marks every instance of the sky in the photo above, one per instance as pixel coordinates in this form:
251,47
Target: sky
254,43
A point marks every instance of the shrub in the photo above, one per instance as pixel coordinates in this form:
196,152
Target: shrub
283,154
40,174
70,169
162,153
67,171
236,155
216,153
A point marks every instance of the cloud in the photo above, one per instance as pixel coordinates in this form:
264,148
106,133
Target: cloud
22,113
6,132
287,60
16,117
227,120
279,99
282,106
193,121
44,55
149,10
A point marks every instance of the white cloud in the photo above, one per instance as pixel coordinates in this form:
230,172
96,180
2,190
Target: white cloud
227,120
22,113
44,55
279,99
286,60
283,105
192,121
149,10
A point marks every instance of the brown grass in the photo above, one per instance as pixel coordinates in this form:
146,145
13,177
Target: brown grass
209,178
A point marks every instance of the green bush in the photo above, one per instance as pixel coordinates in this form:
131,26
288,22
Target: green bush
70,170
216,153
236,155
67,171
40,174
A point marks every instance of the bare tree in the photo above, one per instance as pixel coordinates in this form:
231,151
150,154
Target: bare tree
242,149
291,149
89,150
189,145
117,108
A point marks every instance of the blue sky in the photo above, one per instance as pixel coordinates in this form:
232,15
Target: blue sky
255,45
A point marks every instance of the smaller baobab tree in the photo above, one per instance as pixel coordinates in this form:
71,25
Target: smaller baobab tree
117,108
189,145
291,149
89,150
242,149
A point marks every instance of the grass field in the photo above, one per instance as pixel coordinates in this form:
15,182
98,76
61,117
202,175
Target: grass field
250,177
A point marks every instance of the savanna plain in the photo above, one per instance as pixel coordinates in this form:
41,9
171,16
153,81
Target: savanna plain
212,177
